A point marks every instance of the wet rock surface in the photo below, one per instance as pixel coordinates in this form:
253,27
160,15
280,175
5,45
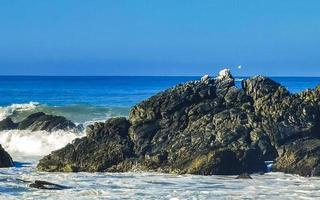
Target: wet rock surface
5,159
44,185
40,122
203,127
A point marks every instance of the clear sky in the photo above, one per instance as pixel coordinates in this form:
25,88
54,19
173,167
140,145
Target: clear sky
165,37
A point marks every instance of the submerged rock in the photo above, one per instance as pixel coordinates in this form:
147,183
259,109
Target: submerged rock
244,176
44,185
41,122
5,159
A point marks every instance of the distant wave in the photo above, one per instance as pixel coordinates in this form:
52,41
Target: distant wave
78,113
38,143
10,110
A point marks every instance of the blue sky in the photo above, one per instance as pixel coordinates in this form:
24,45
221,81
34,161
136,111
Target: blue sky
167,37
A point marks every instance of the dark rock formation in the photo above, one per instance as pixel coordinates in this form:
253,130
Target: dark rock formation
40,122
5,159
201,127
284,117
204,127
292,121
7,124
44,185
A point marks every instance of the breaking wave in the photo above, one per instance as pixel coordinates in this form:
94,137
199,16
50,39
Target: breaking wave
14,108
38,143
78,113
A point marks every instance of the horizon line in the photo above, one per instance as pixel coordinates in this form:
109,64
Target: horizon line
246,76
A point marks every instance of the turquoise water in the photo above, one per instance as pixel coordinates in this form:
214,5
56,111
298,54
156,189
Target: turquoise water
89,99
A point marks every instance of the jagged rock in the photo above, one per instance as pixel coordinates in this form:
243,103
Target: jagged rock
204,127
200,127
292,121
5,159
283,116
41,122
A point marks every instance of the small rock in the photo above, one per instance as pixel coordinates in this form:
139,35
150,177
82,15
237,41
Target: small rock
44,185
244,176
5,159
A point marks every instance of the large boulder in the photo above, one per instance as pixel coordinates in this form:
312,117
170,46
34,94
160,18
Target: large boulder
200,127
5,159
41,122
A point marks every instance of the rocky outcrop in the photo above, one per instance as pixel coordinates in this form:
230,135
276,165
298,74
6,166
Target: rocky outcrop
41,122
204,127
5,159
200,127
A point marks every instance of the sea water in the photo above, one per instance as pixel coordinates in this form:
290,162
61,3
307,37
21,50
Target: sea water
88,99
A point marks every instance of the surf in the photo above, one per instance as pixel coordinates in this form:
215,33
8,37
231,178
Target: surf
38,143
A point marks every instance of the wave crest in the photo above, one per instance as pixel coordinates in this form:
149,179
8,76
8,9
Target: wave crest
38,143
10,110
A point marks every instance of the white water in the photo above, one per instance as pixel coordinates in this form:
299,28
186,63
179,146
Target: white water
27,147
156,186
38,143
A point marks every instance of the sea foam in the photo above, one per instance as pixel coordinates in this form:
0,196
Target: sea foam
10,110
38,143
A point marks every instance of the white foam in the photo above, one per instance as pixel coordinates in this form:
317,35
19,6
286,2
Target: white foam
9,110
225,73
38,143
205,78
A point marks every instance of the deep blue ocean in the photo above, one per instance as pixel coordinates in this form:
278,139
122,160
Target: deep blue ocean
85,99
